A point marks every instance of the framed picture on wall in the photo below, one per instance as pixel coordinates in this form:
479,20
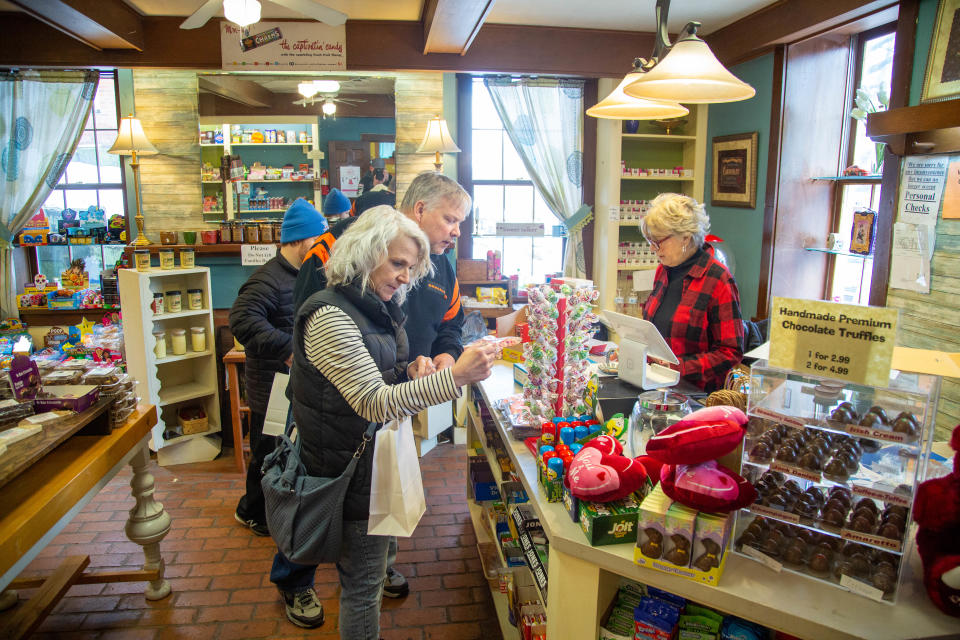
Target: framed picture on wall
942,79
734,181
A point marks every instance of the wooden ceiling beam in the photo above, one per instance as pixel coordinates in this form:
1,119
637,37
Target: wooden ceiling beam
450,26
99,24
236,89
787,22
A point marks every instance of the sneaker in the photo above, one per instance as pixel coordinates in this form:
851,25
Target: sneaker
258,528
304,608
395,586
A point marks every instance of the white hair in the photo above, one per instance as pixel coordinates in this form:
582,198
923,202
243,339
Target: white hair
674,213
364,246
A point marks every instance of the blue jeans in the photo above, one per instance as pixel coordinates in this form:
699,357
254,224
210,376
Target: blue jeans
362,567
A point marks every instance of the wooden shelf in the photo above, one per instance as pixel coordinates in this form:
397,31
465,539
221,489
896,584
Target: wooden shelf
45,317
658,137
470,283
922,129
659,178
183,392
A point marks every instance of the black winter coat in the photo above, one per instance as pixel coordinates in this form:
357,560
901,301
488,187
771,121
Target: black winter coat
261,319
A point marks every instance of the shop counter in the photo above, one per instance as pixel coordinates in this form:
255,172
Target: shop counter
582,580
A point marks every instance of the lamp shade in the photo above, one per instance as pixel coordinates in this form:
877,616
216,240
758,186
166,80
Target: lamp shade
242,12
307,89
131,138
329,107
437,138
690,73
620,106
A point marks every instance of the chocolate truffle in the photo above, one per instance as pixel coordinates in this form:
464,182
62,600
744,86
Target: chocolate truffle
761,452
795,554
885,582
906,427
880,412
863,512
891,531
866,503
861,524
833,517
819,563
836,470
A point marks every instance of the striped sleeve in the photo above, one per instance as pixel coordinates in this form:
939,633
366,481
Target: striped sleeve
333,345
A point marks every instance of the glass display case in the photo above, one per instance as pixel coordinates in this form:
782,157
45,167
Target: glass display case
836,465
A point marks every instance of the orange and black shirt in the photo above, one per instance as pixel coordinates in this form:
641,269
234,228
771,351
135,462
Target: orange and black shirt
433,308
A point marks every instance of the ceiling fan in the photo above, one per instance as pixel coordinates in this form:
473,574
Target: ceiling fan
325,92
248,12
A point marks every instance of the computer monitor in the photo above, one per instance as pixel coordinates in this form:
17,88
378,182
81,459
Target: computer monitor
640,341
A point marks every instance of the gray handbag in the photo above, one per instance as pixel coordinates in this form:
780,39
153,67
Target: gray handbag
305,513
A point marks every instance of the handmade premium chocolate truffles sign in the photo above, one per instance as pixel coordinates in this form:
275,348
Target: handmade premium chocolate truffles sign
846,342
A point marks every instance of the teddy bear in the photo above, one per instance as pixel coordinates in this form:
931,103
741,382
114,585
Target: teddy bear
936,509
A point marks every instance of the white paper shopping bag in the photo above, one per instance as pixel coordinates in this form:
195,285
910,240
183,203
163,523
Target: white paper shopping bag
396,495
275,421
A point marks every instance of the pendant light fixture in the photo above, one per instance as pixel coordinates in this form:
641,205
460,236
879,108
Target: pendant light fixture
685,71
620,106
328,107
242,12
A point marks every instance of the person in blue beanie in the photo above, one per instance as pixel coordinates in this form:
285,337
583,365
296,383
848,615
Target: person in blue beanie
261,319
336,206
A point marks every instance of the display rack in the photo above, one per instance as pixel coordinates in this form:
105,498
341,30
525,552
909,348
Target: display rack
173,381
583,579
293,153
649,148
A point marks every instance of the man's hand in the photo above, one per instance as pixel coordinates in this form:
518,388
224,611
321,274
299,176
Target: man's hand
422,366
443,361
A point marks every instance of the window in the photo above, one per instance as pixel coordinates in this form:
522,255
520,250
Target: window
503,192
93,178
851,275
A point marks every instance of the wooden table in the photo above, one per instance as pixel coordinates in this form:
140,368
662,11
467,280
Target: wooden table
37,504
231,359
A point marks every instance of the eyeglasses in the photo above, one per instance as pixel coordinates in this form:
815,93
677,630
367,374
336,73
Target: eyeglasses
655,244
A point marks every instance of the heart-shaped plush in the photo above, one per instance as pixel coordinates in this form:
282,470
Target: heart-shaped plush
601,473
705,434
707,487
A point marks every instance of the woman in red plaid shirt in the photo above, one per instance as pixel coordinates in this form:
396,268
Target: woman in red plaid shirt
695,303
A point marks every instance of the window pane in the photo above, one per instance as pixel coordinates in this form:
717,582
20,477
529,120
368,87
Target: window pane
54,203
516,260
852,275
547,257
81,199
484,113
52,260
90,254
482,245
105,104
513,168
542,213
488,206
111,255
83,166
519,203
111,201
875,81
109,162
487,154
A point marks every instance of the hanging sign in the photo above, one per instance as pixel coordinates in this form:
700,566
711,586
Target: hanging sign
846,342
256,254
921,188
529,229
349,180
297,46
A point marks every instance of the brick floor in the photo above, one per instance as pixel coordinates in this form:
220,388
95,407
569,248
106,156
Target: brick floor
219,570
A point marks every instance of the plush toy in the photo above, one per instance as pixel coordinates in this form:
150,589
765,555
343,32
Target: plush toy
601,473
936,509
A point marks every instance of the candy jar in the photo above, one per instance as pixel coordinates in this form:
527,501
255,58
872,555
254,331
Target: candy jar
653,412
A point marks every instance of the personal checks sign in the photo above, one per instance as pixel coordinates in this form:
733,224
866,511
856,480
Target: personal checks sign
297,46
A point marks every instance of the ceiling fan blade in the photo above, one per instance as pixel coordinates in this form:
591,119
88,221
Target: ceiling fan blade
314,10
202,15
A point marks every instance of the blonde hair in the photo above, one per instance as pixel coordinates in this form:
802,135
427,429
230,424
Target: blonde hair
675,213
364,246
433,189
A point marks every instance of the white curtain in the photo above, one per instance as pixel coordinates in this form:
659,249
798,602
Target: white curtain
42,114
544,120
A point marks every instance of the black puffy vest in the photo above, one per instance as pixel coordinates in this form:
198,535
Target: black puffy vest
330,430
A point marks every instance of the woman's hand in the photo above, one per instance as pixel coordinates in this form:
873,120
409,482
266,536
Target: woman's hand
422,366
474,365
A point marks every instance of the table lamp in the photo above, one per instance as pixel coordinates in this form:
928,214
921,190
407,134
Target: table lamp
438,140
131,141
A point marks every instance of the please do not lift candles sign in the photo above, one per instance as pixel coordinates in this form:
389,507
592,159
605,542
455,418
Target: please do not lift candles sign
832,340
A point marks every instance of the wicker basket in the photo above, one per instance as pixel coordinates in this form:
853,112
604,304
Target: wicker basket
197,425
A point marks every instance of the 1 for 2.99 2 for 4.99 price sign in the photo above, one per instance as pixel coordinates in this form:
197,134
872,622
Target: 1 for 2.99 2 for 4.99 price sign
827,363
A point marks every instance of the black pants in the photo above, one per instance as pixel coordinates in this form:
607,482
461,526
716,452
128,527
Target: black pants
251,506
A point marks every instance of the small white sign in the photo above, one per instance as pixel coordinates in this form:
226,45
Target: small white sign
921,189
643,279
756,554
349,180
256,254
315,154
527,229
614,214
861,588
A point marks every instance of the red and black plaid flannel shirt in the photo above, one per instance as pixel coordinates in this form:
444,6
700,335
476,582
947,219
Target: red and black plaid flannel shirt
707,330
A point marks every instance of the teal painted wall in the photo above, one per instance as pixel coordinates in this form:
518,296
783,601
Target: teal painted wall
742,229
926,18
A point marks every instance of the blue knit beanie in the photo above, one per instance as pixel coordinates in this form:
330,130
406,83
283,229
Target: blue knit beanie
335,203
302,220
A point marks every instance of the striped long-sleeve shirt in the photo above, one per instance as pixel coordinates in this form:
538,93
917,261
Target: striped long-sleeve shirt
334,345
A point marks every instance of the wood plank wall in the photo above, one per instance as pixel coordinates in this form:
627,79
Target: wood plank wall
419,98
930,321
166,103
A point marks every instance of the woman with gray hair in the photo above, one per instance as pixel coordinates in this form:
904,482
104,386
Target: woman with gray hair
695,304
349,367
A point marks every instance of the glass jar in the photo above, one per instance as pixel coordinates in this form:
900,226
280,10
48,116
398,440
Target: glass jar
157,305
653,412
198,338
178,340
194,299
160,344
266,232
236,232
251,232
186,259
166,259
174,303
142,259
226,232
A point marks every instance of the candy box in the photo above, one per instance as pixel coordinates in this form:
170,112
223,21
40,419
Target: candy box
482,481
678,542
652,526
710,536
612,522
67,396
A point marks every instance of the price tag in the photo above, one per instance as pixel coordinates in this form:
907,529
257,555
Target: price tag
256,254
861,588
831,340
797,472
614,214
869,538
762,557
789,421
776,514
882,496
